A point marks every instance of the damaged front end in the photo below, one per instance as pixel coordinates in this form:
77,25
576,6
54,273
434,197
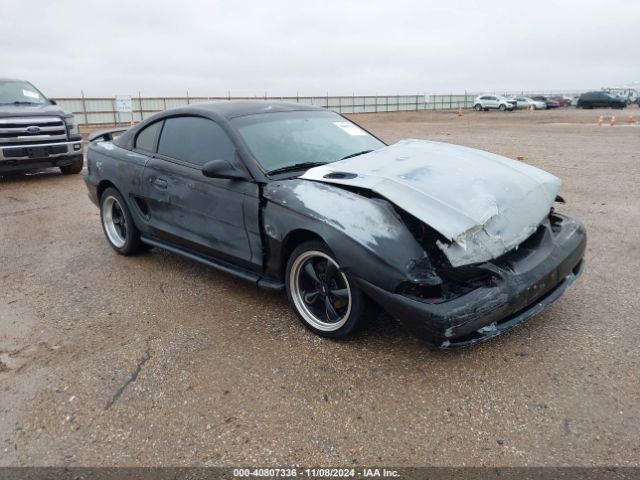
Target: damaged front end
473,303
494,251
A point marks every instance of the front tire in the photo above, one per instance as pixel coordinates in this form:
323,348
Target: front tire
117,223
322,296
73,168
502,107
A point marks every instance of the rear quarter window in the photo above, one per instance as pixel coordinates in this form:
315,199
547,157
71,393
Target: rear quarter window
146,139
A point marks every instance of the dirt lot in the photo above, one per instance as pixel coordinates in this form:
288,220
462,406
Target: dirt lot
157,360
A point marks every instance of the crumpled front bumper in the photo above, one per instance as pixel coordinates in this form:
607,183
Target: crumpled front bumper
519,290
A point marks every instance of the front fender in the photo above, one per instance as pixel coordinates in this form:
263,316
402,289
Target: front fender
367,235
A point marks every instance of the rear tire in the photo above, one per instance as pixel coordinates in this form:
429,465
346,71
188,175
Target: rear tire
117,223
73,168
323,297
477,107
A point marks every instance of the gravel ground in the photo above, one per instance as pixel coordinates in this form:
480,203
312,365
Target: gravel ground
157,360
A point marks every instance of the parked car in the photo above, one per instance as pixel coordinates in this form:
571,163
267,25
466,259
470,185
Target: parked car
34,132
600,100
550,103
528,102
460,245
496,102
561,99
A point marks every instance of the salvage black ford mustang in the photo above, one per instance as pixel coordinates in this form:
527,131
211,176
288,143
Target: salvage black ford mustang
458,244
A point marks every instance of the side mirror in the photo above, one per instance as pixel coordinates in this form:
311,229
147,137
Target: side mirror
222,169
53,102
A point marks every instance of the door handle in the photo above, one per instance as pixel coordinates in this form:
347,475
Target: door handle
160,183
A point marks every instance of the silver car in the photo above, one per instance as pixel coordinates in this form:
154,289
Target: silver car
497,102
528,102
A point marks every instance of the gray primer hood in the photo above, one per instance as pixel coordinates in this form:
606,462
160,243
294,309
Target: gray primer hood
484,204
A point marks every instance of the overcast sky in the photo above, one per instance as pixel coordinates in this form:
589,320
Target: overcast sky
209,47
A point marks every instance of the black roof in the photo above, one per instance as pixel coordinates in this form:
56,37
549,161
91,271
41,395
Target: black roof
239,108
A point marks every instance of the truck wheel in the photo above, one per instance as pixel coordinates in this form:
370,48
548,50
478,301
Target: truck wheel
73,168
322,296
117,223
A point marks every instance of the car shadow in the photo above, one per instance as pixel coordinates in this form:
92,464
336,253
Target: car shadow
34,176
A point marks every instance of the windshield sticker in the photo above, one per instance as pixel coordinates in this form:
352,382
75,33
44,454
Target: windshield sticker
350,128
30,94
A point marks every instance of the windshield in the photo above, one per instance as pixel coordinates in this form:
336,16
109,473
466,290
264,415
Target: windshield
15,92
284,139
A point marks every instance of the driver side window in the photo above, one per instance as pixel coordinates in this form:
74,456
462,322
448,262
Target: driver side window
195,140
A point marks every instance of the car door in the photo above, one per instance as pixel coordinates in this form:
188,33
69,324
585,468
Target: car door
185,208
602,100
492,102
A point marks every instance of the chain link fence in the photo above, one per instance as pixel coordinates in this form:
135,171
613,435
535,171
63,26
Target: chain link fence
102,111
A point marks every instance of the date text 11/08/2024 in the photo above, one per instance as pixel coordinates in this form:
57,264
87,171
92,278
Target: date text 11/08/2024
316,472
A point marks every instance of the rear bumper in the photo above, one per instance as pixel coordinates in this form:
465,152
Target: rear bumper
28,157
518,292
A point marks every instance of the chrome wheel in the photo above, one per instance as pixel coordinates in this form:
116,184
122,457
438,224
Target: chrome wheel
114,221
320,291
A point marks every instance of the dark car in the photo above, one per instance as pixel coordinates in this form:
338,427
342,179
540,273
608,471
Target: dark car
458,244
551,103
600,100
34,132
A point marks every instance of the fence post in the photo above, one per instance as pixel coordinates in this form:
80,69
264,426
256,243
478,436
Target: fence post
84,110
115,118
188,97
140,105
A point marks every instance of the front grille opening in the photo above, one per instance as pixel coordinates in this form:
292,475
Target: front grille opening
431,293
17,132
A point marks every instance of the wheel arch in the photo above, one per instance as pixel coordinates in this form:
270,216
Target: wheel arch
292,240
102,186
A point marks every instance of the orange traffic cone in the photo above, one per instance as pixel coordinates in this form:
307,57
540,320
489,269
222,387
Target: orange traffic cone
613,121
600,121
460,114
630,119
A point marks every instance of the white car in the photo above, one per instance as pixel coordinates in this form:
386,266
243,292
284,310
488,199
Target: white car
486,102
528,102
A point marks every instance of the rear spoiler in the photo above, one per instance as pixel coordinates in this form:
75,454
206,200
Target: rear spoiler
107,135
